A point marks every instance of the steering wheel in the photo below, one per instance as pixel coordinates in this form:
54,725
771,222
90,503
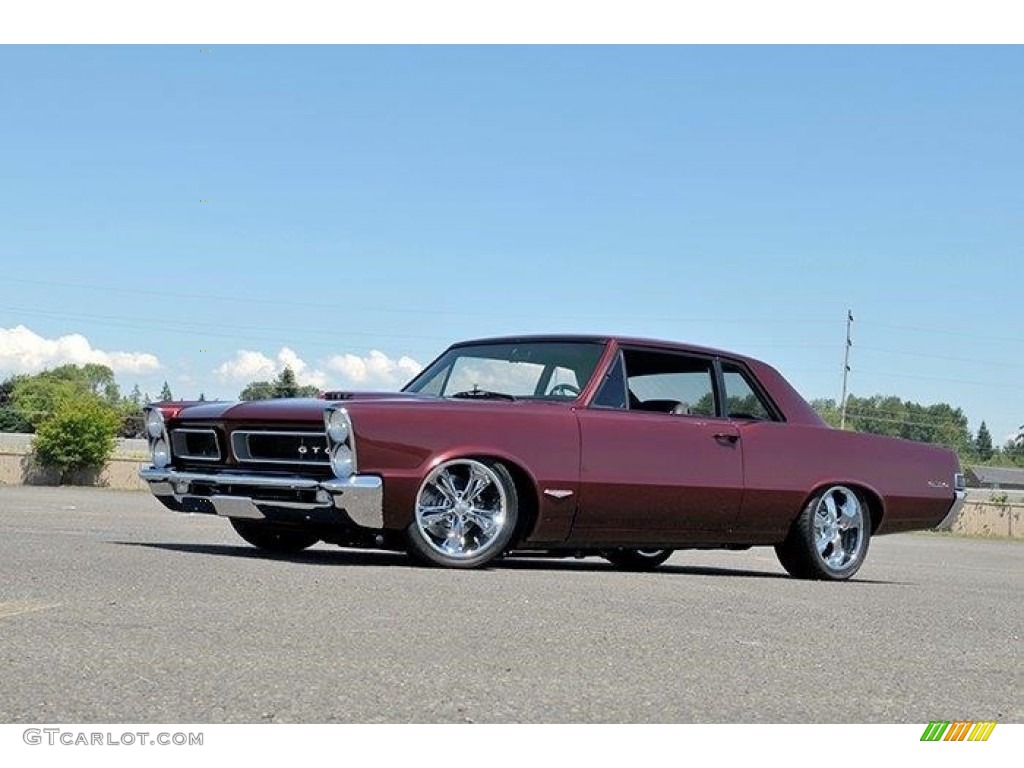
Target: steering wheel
561,390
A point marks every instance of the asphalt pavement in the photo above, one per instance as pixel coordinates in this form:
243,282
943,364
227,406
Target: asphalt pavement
113,609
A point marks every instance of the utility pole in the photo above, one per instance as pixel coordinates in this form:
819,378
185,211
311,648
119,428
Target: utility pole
846,367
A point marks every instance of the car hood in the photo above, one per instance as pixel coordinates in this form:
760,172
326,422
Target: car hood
287,409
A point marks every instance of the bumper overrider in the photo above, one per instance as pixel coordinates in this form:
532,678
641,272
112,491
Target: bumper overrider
249,495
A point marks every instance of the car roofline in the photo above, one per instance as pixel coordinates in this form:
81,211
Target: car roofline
622,341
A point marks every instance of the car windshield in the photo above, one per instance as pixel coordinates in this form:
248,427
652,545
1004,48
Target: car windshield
542,370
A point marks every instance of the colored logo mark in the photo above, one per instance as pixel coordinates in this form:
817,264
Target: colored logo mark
958,731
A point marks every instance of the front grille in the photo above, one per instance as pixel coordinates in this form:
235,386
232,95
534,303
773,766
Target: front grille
270,447
195,444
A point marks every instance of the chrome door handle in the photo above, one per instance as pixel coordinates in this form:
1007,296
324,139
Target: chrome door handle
727,438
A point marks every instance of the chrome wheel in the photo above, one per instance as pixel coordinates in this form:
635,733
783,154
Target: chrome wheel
838,527
829,538
465,512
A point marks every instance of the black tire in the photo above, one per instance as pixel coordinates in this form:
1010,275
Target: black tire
273,538
465,514
819,546
637,559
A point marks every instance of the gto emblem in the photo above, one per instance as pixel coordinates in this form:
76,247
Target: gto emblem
304,449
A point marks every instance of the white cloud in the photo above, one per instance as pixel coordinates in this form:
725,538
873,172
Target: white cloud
248,365
24,351
303,374
373,371
376,370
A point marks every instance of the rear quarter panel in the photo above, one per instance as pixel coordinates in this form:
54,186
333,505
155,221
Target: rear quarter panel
785,463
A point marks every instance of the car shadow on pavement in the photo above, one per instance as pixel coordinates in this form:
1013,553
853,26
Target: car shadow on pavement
354,557
311,556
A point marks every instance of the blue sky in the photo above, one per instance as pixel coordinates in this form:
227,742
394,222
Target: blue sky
369,205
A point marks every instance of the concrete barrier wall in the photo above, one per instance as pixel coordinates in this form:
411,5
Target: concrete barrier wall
986,514
18,466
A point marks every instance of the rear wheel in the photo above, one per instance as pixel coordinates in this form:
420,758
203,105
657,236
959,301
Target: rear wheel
273,538
465,515
829,540
637,559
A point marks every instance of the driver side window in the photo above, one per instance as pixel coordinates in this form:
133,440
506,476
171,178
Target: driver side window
678,384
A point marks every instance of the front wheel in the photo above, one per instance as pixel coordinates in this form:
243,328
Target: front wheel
637,559
273,538
829,540
465,515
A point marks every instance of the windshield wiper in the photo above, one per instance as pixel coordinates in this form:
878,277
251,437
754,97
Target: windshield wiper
483,394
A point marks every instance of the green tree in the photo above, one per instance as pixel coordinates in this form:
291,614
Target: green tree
78,435
285,385
130,409
36,398
940,423
983,443
11,419
165,393
258,390
1013,451
828,410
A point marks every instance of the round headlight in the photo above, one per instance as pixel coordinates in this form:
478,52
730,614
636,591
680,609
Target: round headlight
154,423
341,461
337,426
161,456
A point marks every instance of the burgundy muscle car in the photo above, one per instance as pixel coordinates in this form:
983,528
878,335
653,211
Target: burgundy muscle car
619,447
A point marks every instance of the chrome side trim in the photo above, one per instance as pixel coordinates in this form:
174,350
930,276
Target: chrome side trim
360,496
555,493
954,511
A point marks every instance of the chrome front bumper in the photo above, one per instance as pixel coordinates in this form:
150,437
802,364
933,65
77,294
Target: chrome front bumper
954,511
359,496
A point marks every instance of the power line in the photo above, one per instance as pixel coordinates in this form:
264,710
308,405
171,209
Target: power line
892,375
942,357
944,332
409,310
204,328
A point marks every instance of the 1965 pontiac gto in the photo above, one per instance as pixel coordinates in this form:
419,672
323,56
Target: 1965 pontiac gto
619,447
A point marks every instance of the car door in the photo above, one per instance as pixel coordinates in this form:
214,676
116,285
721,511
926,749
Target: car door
657,462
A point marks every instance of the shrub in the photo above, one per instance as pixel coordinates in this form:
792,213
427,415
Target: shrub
77,436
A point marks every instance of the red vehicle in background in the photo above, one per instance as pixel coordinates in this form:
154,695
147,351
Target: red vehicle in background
619,447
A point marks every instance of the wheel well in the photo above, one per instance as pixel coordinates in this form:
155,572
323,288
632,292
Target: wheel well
526,493
872,499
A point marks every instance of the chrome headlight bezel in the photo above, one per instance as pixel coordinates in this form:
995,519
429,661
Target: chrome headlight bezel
160,443
161,452
339,426
154,422
341,441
